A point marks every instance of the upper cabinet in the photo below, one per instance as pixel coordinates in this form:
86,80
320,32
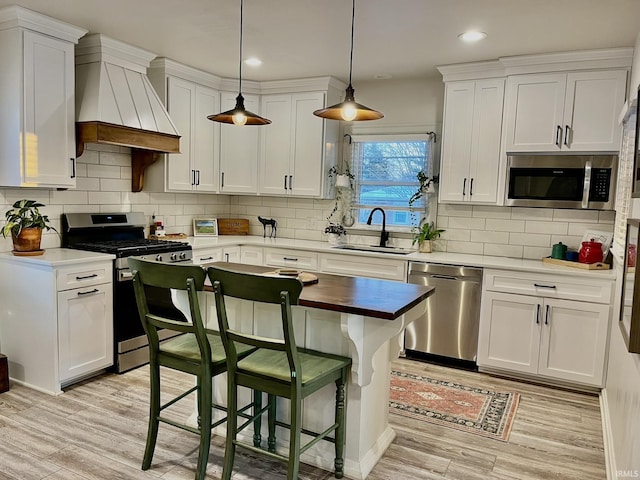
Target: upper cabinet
189,98
471,141
556,112
37,109
291,154
239,148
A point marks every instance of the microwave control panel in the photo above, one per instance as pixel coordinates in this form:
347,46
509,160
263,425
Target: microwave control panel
600,181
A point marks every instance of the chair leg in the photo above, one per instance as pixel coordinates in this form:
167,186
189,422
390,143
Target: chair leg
294,437
341,430
154,412
257,424
271,441
232,426
204,423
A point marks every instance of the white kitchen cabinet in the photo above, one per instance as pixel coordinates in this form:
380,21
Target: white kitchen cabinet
471,141
251,255
300,259
239,149
37,113
195,168
209,255
85,330
542,334
189,96
56,323
292,150
555,112
361,266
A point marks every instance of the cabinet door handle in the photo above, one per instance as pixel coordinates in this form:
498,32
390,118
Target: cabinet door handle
464,186
546,318
558,135
222,181
87,277
226,257
567,129
290,259
471,188
193,177
538,314
198,181
543,286
95,290
285,182
73,167
290,182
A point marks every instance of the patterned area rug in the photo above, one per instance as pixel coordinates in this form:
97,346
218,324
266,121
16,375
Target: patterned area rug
473,410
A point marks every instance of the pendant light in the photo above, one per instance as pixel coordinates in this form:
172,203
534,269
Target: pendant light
239,115
349,110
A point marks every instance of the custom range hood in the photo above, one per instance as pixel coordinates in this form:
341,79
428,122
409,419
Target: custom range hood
116,104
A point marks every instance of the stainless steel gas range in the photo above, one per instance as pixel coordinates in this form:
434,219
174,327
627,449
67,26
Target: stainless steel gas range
122,234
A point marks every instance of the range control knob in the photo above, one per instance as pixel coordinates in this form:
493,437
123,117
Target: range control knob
183,255
173,257
158,258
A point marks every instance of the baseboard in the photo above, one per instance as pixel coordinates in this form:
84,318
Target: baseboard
607,434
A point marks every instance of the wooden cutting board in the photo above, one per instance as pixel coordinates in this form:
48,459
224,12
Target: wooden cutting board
233,226
584,266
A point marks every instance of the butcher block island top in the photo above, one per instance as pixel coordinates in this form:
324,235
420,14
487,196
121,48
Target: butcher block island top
370,297
360,318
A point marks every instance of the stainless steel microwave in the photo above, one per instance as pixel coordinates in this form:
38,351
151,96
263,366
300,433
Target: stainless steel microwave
562,181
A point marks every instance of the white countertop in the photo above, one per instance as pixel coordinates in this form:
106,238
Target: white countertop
58,257
505,263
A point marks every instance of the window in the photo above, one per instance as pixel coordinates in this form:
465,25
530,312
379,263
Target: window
385,169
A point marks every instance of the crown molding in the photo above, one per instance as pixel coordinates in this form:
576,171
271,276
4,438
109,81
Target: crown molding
15,16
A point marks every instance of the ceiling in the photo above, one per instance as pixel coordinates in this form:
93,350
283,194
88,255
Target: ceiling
307,38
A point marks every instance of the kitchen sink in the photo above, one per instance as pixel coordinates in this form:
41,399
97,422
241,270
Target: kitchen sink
375,248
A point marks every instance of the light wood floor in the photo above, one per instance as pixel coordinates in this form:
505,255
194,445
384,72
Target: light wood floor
97,431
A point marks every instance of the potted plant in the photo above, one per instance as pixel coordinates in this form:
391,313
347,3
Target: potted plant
335,233
424,234
25,223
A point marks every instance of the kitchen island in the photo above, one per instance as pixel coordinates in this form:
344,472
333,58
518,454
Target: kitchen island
361,318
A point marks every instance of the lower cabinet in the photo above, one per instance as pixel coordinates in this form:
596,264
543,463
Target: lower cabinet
356,266
554,338
85,330
56,322
206,256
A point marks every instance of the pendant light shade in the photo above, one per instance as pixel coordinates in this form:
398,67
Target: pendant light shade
239,115
349,110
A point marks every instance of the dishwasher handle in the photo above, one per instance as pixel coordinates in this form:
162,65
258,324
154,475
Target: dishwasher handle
444,277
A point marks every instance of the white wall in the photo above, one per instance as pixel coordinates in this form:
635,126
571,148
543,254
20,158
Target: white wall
622,391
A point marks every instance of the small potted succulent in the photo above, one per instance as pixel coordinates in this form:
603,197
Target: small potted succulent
424,234
335,233
25,223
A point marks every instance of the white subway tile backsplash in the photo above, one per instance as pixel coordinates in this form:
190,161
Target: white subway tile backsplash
530,239
450,210
564,215
103,171
499,250
572,242
166,198
533,226
457,235
489,236
88,184
487,211
194,209
581,228
170,210
90,156
466,223
500,225
606,216
526,213
536,252
135,198
115,185
64,197
105,197
465,247
113,158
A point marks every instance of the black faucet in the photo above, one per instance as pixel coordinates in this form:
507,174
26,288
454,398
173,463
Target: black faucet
384,235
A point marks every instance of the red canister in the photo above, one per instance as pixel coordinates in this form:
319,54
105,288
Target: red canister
590,252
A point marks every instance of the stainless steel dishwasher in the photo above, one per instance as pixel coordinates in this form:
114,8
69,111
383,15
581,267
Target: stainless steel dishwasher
450,326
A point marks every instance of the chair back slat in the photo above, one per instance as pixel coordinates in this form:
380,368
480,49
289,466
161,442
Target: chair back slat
183,277
259,342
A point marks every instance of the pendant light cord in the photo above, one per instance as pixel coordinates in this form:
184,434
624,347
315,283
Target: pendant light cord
353,17
240,68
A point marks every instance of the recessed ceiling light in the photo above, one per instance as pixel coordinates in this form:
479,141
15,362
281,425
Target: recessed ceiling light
253,62
472,36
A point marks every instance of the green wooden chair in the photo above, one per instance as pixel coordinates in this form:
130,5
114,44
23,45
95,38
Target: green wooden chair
278,367
198,351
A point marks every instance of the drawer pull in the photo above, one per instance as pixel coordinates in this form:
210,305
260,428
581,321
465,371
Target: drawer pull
290,259
95,290
544,286
87,277
206,258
